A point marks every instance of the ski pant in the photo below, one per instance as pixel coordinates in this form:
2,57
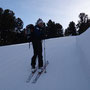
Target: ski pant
37,49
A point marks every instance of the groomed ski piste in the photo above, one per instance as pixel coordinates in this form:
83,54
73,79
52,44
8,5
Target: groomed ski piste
68,69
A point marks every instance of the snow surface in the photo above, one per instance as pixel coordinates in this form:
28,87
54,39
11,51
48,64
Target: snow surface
68,69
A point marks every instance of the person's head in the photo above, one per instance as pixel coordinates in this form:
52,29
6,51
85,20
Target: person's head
40,23
31,27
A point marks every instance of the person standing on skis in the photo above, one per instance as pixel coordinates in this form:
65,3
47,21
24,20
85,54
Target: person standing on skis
36,39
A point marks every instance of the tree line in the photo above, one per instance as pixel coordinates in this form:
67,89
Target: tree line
12,31
77,29
10,27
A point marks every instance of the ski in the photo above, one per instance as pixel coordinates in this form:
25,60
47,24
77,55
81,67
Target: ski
30,76
39,74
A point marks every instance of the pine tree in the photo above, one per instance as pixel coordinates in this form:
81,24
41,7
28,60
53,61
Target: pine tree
71,30
83,23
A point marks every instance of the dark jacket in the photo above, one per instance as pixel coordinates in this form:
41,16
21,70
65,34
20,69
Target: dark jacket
38,34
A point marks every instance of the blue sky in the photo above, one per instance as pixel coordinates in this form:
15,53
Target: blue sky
60,11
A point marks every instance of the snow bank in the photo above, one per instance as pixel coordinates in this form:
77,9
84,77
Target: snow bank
83,44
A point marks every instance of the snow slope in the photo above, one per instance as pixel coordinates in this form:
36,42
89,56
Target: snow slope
69,65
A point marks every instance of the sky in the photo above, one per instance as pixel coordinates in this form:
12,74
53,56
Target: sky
60,11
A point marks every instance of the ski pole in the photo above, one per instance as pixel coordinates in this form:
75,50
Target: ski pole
44,55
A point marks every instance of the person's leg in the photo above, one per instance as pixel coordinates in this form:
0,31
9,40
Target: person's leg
33,61
40,60
40,57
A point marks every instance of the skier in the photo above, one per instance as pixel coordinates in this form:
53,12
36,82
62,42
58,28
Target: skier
36,39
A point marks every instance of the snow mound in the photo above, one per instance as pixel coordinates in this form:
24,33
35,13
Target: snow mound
68,69
83,45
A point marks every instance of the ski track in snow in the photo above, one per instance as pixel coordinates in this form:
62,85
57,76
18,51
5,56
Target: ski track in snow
68,69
